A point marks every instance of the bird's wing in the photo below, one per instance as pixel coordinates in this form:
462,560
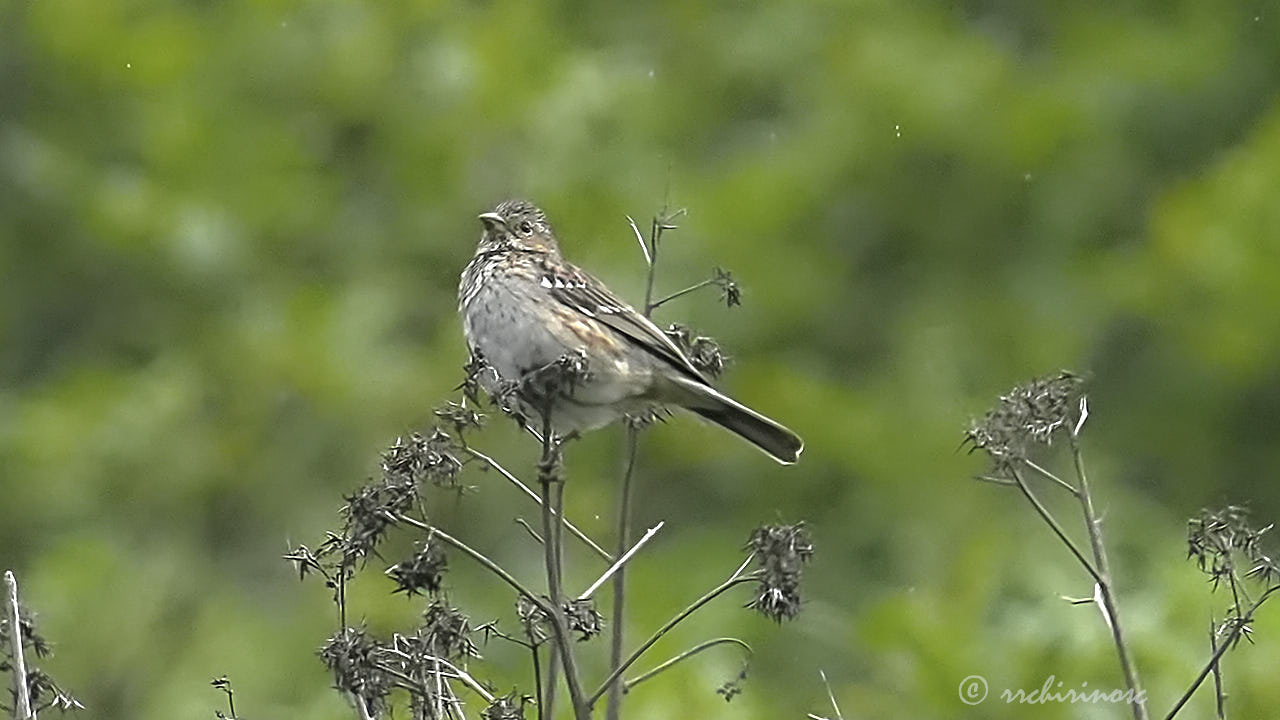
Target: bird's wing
580,291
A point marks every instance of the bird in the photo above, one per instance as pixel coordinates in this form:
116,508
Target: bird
525,308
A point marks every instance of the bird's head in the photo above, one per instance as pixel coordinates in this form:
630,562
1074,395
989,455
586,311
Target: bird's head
517,225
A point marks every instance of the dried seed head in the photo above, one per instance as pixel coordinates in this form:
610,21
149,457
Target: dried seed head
781,551
533,619
1029,414
730,293
583,618
433,459
422,573
507,707
448,631
460,417
733,688
351,656
702,351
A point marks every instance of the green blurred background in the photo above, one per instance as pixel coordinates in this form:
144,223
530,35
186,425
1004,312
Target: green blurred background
230,235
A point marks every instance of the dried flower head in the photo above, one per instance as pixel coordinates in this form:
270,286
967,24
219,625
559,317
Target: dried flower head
730,293
42,690
583,618
702,351
473,372
1029,414
422,573
733,688
31,637
781,552
459,416
434,458
352,657
534,620
368,514
45,693
1223,541
506,707
447,631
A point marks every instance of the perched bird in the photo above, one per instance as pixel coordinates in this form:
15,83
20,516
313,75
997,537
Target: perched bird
524,307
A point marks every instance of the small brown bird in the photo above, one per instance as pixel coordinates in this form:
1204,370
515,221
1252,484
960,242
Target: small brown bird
524,307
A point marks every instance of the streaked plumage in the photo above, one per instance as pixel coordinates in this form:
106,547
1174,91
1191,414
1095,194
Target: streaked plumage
523,307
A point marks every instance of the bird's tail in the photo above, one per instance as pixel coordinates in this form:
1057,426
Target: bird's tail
777,441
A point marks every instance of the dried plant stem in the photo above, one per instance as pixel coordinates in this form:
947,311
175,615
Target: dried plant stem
552,485
1218,694
454,672
1053,524
1054,478
679,293
1223,646
363,708
22,695
617,635
1094,527
622,561
736,578
537,679
573,529
684,656
476,555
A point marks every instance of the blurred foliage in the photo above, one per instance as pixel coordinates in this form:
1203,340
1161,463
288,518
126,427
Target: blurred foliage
230,234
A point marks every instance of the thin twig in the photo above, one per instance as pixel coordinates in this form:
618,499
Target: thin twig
529,529
658,226
1218,694
537,679
1053,524
621,561
1222,649
1065,485
680,293
458,673
476,555
22,693
1094,527
490,462
831,695
648,259
734,579
626,686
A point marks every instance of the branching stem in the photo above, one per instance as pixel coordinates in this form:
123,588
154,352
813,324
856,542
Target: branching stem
626,686
573,529
680,293
1053,524
735,579
479,557
1223,646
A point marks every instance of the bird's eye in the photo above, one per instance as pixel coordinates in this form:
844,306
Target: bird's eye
525,228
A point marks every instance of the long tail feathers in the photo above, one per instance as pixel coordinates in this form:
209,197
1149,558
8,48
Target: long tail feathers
774,439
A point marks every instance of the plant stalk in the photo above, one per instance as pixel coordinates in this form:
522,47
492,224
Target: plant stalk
1094,527
22,693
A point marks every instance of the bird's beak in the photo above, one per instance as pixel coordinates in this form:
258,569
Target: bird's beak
493,221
